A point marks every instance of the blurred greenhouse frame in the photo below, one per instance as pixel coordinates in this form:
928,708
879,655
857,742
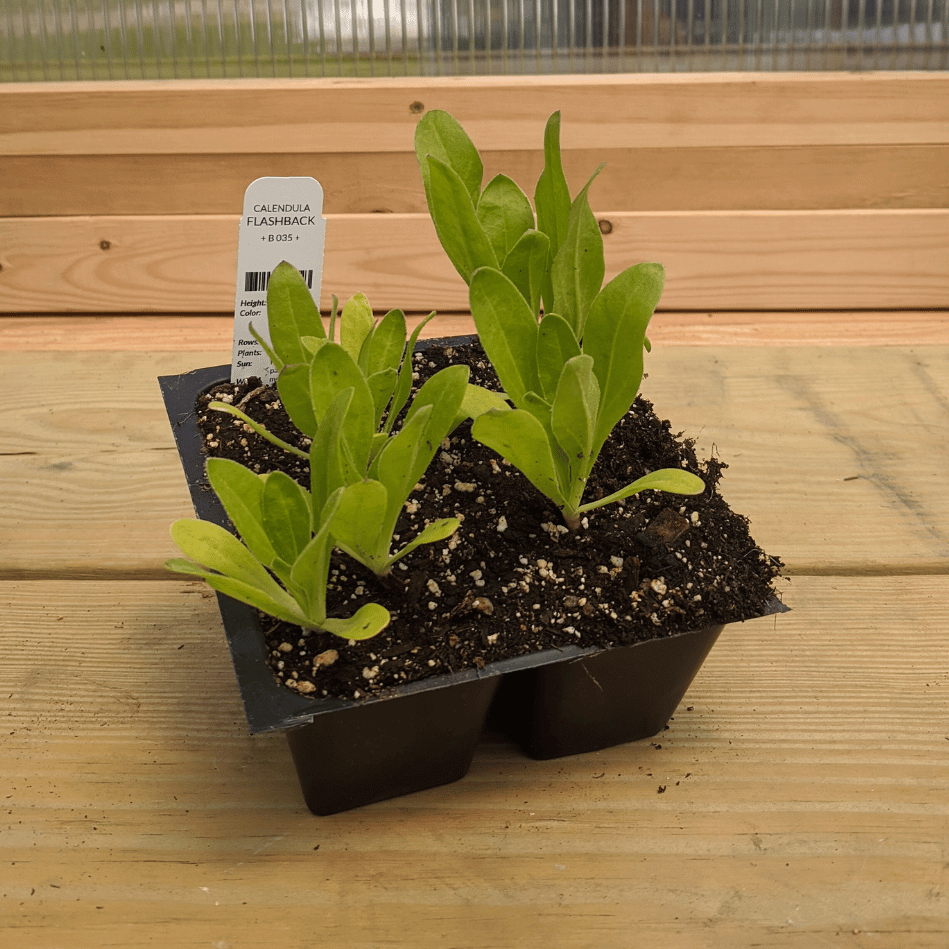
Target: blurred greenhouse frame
147,39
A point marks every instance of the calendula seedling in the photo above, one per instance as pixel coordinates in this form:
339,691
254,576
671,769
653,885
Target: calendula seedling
361,473
285,536
575,372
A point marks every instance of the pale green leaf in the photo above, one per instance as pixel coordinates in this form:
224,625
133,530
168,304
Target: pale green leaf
477,401
219,550
505,213
355,324
555,345
438,134
404,386
256,427
381,386
285,608
360,525
286,515
552,196
387,344
332,466
673,480
310,571
332,371
614,337
577,270
293,385
573,419
366,622
456,223
521,439
430,534
507,330
291,313
241,492
526,266
552,199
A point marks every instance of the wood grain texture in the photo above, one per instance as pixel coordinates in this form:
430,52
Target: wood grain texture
640,178
803,802
611,111
833,479
750,260
75,333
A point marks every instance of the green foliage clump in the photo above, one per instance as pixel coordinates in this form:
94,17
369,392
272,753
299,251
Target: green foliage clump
567,350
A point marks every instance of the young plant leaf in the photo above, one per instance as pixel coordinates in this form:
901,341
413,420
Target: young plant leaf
256,426
355,325
555,345
404,386
381,386
286,515
541,410
403,460
444,392
241,493
507,330
310,571
291,313
332,466
438,134
430,534
577,270
477,401
359,525
332,371
573,420
293,385
614,338
385,347
366,622
673,480
526,266
220,551
505,214
552,196
456,222
552,199
521,439
283,609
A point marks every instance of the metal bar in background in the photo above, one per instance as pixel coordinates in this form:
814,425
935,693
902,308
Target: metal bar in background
158,39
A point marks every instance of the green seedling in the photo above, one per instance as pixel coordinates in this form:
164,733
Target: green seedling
573,372
378,485
379,350
285,536
361,473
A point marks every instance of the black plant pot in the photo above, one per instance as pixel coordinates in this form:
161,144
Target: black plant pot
553,703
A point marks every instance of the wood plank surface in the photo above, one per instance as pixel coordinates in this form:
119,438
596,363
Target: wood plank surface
640,178
838,456
195,333
612,111
748,260
797,799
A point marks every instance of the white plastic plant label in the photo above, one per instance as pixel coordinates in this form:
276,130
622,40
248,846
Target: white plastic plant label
282,220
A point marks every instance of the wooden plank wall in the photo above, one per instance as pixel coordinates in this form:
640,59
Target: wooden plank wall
759,192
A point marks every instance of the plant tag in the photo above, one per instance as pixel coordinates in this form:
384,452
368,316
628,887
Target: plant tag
282,220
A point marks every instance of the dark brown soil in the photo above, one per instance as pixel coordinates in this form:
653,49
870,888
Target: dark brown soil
513,580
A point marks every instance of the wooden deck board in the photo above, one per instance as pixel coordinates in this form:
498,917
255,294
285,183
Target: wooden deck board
804,800
832,478
73,333
744,260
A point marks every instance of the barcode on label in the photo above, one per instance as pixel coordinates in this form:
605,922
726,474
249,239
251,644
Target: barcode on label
256,281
